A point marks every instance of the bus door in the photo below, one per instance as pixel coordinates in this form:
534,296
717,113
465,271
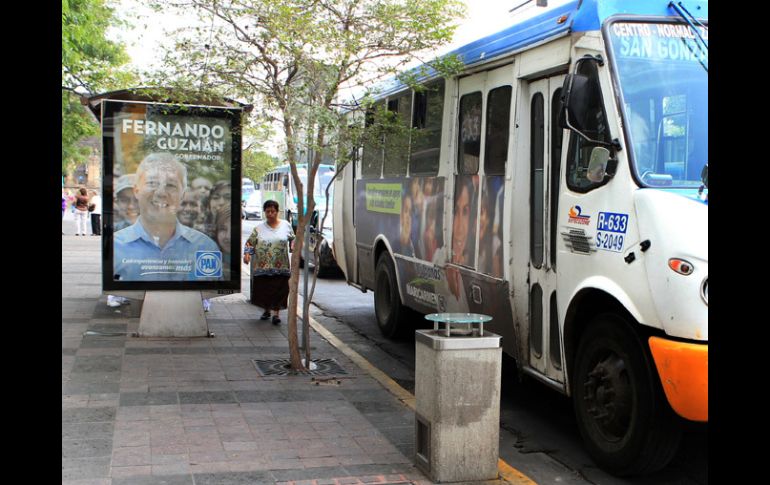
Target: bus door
462,261
540,107
483,121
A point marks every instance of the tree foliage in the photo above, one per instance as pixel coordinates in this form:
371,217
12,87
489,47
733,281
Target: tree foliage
76,125
256,163
90,63
294,59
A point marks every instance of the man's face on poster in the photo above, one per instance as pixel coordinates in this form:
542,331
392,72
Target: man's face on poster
190,209
159,191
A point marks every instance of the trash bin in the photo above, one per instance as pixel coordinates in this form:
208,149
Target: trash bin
457,394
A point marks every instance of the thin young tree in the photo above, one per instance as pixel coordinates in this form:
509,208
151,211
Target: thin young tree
296,59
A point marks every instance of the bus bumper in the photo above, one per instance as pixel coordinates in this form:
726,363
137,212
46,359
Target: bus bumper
683,369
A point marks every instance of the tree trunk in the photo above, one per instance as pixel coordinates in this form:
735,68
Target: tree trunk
294,354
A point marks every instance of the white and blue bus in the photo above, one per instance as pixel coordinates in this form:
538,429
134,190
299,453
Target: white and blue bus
558,184
278,185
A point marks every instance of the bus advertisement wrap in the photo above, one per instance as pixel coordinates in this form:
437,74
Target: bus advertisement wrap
171,217
407,213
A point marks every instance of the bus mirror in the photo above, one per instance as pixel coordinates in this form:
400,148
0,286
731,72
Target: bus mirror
597,166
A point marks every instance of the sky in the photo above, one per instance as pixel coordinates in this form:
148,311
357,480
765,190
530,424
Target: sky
483,17
151,30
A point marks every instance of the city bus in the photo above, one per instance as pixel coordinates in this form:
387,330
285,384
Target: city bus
278,185
559,184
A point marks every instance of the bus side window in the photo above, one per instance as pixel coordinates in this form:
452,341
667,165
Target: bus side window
469,144
397,136
596,127
427,115
498,124
371,166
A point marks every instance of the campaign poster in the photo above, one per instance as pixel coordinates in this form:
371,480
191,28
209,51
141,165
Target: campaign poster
172,196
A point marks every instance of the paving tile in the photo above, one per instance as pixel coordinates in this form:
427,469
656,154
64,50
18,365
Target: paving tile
158,459
87,430
376,469
131,456
310,473
171,469
75,387
99,363
88,481
86,448
234,478
185,479
88,415
130,471
147,398
319,462
206,397
208,456
209,467
85,468
285,464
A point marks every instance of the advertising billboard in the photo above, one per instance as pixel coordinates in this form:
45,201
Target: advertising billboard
171,196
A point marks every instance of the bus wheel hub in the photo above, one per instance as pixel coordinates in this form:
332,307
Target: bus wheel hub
608,397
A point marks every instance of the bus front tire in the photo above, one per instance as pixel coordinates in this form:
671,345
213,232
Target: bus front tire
389,311
621,411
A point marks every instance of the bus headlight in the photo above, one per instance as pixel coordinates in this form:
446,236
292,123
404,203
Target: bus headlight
704,290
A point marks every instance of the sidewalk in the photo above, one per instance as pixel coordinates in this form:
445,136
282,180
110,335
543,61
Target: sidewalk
196,411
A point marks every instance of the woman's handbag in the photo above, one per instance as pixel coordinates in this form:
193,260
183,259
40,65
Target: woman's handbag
91,207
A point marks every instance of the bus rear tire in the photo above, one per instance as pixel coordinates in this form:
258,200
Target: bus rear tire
390,313
622,414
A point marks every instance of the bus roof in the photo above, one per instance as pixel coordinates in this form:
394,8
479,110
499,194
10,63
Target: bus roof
575,16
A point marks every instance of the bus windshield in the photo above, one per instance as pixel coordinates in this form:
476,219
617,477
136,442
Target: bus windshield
662,72
322,178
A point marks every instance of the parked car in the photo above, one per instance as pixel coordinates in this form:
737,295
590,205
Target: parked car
253,206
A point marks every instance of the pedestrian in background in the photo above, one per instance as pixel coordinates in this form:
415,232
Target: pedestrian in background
268,244
96,213
81,212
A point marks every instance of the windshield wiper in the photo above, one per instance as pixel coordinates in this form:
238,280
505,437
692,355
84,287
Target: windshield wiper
690,19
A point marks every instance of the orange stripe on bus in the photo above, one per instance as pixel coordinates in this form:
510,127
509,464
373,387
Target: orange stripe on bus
683,369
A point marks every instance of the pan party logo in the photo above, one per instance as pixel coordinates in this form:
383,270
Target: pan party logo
208,264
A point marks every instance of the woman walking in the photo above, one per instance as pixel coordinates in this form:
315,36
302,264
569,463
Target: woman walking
81,212
269,245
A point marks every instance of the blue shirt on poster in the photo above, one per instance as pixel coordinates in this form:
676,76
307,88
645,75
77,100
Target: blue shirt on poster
137,257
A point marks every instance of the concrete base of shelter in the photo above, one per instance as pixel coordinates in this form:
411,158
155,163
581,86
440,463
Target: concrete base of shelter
173,314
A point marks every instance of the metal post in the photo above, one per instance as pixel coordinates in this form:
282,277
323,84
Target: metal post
304,294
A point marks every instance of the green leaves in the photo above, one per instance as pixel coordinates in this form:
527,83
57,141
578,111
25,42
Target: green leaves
77,125
90,61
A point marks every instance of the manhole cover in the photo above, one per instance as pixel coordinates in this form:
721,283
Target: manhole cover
282,367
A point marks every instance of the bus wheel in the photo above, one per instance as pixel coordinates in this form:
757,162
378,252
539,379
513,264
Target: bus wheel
621,411
387,303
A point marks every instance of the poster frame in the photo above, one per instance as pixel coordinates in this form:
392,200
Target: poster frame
233,116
